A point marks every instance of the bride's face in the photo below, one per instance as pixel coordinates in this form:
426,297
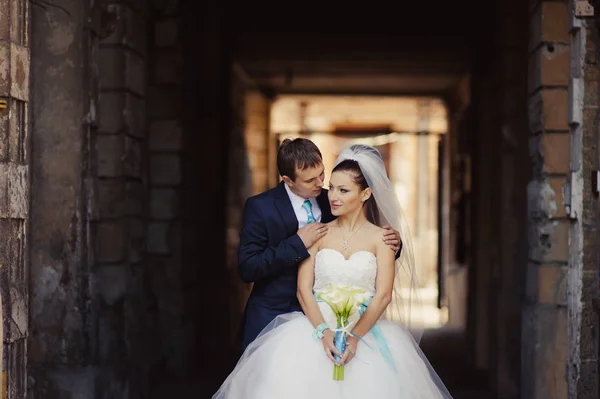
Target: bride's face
345,195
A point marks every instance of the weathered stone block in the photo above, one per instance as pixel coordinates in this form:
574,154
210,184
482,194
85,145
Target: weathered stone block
587,384
165,102
166,7
110,155
589,322
166,32
19,72
591,49
590,96
549,65
548,110
168,66
19,22
110,241
165,136
130,28
137,240
163,203
5,15
165,169
112,282
555,108
551,355
549,242
14,191
18,131
552,284
555,149
132,157
550,23
135,198
4,69
158,238
121,112
122,69
110,196
557,185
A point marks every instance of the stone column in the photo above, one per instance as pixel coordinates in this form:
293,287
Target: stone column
14,193
545,338
61,314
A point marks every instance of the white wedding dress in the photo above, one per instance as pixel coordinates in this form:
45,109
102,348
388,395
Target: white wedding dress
286,362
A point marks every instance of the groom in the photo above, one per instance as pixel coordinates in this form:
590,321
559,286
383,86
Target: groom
278,227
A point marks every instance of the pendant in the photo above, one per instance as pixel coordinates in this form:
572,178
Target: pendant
345,245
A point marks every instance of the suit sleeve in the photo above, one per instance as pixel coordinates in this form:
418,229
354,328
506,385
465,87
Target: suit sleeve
399,252
256,259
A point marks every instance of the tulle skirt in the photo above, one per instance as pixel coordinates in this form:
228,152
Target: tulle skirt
285,362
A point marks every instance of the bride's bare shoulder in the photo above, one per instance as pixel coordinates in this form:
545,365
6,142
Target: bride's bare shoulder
373,228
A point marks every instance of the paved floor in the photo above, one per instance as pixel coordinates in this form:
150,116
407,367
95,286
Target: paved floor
446,350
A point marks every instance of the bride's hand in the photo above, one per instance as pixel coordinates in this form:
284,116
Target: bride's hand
329,346
350,351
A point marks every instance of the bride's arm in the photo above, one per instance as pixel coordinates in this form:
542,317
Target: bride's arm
384,285
306,279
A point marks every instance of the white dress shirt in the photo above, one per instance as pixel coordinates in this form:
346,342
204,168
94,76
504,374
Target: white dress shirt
301,213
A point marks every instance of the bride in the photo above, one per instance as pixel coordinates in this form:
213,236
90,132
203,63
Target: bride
370,352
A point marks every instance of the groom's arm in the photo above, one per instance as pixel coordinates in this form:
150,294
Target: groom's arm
256,259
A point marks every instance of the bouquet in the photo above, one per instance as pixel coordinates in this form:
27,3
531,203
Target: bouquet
343,300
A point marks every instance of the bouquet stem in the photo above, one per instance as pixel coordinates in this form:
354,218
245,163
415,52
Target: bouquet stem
338,373
340,345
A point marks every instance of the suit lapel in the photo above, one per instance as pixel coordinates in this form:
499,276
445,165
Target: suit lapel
285,209
323,202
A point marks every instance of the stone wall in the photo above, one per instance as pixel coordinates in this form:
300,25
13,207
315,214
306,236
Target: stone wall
125,326
583,335
15,157
63,324
91,318
248,175
557,323
490,171
166,151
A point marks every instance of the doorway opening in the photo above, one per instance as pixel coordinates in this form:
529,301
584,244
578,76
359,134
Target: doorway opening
409,132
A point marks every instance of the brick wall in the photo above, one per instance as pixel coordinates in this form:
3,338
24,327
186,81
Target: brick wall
248,175
547,330
165,176
493,149
15,159
585,69
119,213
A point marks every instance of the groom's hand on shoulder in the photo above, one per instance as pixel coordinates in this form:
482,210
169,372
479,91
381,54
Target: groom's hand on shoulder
392,238
311,233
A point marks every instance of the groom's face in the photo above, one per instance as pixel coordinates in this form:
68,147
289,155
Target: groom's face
308,182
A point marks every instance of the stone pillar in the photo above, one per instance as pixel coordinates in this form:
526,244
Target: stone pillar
126,328
166,161
514,174
14,193
61,316
582,282
545,344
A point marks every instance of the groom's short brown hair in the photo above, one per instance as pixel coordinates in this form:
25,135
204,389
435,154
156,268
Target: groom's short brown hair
298,153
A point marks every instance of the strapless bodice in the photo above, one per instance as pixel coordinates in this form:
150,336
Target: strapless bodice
331,267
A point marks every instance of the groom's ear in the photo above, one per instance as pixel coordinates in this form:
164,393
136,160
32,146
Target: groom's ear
287,180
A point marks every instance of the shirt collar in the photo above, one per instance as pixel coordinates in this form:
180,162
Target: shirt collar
297,201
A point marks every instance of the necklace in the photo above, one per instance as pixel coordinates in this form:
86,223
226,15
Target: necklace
346,240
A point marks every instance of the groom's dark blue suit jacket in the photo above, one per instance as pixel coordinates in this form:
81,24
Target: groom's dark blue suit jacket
269,254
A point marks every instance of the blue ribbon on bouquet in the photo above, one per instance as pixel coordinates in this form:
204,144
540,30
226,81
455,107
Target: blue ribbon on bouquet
340,336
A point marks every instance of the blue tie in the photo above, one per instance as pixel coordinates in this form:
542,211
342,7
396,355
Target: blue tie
307,205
